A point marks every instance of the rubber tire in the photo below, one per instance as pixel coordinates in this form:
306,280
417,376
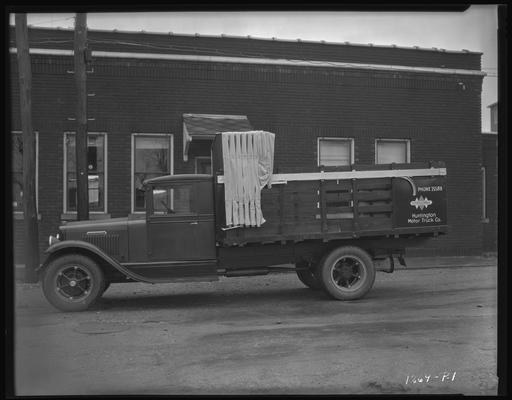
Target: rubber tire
58,301
307,277
324,273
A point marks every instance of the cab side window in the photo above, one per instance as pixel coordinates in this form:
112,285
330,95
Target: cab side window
176,200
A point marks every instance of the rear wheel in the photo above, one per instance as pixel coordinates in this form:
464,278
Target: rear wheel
73,282
307,277
347,273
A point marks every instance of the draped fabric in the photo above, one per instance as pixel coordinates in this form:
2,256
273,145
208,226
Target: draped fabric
248,164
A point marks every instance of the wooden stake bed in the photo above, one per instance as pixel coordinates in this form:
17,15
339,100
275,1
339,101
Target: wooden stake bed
358,201
346,205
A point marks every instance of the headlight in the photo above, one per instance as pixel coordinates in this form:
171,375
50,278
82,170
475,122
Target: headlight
53,239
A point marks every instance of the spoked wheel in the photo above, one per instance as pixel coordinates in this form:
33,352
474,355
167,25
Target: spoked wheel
73,282
347,273
307,277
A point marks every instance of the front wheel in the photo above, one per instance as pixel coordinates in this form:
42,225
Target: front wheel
347,273
73,282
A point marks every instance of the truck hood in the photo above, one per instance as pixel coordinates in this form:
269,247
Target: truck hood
110,224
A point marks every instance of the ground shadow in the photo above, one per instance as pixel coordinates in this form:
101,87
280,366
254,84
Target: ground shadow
199,300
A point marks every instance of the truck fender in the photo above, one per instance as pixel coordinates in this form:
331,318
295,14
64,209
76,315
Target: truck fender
90,248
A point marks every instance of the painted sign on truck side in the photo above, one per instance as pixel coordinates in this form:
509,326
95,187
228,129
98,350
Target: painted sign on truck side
424,206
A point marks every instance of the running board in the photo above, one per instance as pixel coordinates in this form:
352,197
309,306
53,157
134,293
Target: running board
246,272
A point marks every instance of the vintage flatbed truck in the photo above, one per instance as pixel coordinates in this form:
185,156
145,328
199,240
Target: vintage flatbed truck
334,228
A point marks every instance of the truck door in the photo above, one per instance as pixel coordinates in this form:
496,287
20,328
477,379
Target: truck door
181,222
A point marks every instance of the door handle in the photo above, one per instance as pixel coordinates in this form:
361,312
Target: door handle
194,223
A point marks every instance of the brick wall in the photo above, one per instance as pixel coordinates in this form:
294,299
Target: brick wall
439,116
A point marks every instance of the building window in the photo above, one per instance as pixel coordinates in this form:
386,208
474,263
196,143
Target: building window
389,151
484,195
203,165
494,119
151,157
17,170
335,152
96,172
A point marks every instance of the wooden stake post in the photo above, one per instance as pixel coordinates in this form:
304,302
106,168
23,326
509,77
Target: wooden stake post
29,151
81,118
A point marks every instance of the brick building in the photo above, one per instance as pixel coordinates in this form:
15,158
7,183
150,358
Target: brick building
159,98
490,183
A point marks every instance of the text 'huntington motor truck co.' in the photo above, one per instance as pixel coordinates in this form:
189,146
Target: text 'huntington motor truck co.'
334,227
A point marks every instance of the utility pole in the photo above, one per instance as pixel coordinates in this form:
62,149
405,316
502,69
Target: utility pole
29,151
81,117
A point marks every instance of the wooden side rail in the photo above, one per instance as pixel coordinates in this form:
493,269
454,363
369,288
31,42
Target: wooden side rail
340,175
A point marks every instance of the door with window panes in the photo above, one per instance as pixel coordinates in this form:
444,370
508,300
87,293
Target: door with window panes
181,221
95,172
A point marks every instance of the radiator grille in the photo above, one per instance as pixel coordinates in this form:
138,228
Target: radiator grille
108,243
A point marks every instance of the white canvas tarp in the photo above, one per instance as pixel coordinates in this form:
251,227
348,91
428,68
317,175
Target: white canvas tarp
248,164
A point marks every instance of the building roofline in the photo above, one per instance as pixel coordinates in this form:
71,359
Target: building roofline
273,39
261,61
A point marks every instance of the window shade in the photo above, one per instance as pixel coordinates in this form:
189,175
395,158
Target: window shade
391,152
333,152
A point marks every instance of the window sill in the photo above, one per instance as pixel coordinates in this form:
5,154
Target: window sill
92,216
137,215
21,215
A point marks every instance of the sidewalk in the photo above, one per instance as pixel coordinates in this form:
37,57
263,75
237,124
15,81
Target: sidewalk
412,263
448,262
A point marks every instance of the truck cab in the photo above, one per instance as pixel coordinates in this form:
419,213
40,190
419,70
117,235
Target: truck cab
180,220
175,241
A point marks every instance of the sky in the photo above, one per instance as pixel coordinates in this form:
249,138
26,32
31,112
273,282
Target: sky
474,29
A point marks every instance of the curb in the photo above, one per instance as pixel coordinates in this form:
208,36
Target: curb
410,268
449,262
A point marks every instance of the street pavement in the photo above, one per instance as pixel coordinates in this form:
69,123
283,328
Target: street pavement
417,331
